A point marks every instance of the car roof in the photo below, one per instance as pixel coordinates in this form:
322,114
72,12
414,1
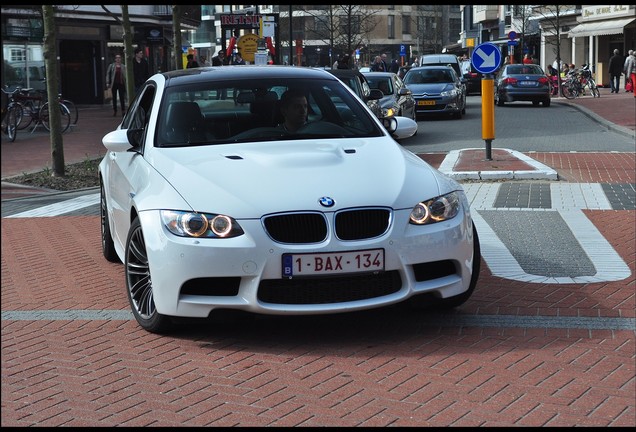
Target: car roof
432,66
243,72
385,74
344,72
441,58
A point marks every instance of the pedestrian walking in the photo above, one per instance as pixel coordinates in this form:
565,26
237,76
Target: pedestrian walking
616,64
238,59
378,65
141,70
527,59
116,82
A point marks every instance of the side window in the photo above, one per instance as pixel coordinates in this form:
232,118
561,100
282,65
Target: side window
138,115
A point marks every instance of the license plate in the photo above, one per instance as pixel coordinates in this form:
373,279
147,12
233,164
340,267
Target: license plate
429,102
526,83
313,264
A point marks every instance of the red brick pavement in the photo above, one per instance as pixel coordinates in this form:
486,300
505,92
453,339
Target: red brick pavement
375,368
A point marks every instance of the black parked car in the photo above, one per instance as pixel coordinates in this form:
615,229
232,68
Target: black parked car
398,98
522,82
359,84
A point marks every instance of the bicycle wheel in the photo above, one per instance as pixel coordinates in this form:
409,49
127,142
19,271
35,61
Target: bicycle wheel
19,113
568,91
26,118
72,109
11,125
65,117
594,89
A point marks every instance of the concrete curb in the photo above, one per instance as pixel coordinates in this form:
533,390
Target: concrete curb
541,171
600,120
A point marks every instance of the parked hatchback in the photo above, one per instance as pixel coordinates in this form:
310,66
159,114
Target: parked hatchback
522,82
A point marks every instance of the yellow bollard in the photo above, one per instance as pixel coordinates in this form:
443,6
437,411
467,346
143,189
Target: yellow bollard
488,113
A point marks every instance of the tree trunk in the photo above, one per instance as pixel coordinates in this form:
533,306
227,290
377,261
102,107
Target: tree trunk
52,85
176,36
129,54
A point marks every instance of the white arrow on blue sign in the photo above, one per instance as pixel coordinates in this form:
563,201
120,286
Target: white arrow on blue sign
486,58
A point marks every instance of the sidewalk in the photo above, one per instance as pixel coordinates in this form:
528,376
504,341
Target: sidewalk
31,152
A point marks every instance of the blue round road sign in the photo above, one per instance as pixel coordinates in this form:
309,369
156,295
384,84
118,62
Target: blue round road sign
486,58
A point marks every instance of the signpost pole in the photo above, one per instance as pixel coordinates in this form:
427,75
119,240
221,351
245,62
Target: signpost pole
486,58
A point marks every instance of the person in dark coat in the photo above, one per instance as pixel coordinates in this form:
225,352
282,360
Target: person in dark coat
615,71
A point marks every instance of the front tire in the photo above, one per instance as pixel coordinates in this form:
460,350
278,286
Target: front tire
139,283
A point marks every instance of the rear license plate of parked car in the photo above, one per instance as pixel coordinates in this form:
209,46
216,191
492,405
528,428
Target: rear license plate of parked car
527,83
426,102
313,264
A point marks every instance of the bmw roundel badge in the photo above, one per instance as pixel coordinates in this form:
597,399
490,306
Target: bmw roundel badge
326,201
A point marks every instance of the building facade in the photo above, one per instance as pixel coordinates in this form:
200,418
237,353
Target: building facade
88,36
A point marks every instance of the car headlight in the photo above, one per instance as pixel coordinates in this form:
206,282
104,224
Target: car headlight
388,112
435,210
191,224
449,93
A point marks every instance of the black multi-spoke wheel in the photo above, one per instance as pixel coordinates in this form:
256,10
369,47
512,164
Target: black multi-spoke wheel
139,283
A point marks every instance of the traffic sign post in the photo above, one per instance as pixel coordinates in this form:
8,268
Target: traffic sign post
486,59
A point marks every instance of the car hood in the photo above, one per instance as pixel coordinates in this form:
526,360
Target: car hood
250,180
437,88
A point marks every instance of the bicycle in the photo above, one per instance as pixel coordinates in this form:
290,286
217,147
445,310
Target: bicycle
36,110
72,108
576,81
585,77
9,116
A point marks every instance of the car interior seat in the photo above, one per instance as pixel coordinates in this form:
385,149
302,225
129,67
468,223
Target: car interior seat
264,108
184,123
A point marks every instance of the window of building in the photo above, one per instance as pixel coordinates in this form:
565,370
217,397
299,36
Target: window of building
391,26
406,24
17,54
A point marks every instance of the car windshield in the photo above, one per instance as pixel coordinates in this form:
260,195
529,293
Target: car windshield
221,112
381,83
428,76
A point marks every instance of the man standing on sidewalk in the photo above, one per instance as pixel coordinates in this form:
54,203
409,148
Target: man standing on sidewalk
615,71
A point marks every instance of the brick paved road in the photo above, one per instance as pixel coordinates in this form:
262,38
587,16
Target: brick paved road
516,354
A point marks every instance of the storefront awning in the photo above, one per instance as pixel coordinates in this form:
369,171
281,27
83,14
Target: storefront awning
600,28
